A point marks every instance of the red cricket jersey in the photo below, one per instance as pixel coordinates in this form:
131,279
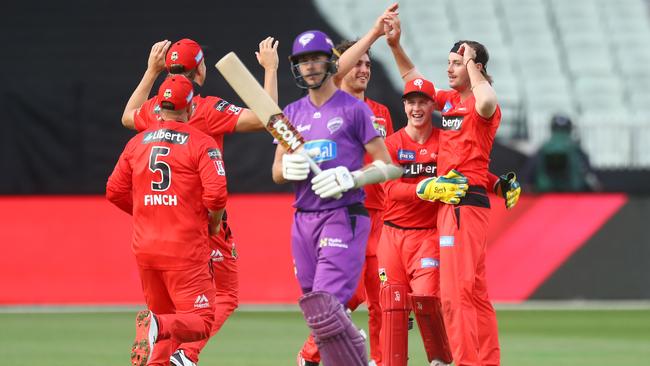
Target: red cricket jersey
168,177
384,126
211,115
465,137
403,207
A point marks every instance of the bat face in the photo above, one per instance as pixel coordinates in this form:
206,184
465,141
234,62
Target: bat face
285,132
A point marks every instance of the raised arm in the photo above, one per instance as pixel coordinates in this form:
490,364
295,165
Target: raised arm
155,65
349,58
393,32
267,56
486,98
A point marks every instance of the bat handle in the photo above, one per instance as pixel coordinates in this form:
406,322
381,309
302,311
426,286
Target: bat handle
314,167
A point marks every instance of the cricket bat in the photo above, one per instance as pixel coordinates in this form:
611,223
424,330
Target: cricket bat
264,107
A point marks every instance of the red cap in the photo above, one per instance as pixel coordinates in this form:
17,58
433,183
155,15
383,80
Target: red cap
175,93
421,86
186,53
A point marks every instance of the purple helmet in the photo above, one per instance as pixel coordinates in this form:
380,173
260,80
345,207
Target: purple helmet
312,41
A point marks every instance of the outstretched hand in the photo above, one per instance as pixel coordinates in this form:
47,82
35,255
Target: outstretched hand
378,26
156,61
392,30
267,56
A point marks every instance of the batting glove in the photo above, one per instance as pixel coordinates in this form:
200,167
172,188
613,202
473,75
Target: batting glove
447,189
508,188
332,182
294,167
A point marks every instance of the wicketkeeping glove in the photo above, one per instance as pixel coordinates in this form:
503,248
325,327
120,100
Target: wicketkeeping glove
508,188
447,189
331,182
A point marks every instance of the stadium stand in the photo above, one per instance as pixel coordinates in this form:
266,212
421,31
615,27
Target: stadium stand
584,58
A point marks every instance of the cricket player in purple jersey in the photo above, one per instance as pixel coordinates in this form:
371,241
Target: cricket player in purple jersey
329,234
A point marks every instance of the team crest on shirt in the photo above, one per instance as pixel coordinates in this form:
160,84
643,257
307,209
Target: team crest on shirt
327,149
447,107
334,124
156,109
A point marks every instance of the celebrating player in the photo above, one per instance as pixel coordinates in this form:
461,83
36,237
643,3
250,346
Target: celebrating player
171,178
216,117
331,226
355,83
408,250
470,117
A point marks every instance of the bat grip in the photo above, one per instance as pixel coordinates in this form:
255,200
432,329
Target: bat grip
314,167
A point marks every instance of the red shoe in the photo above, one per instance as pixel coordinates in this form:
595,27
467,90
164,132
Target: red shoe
146,332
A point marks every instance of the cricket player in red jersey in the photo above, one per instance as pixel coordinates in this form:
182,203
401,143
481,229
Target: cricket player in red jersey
355,83
171,178
408,250
216,117
470,118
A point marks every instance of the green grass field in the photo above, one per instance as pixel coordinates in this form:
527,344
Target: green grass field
528,337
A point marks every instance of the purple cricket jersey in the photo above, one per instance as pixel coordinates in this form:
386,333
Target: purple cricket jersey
339,129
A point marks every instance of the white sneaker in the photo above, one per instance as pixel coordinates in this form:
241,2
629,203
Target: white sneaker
179,359
439,363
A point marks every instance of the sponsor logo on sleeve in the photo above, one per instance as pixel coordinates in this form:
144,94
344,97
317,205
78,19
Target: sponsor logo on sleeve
214,154
217,159
452,123
334,124
381,129
419,170
405,155
446,241
233,109
165,135
447,107
429,263
327,149
221,105
218,165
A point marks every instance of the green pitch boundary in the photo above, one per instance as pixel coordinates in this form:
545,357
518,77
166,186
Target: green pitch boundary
545,305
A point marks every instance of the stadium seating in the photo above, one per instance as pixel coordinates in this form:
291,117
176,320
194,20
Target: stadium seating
585,58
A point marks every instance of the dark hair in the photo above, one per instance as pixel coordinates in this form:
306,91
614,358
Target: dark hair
180,69
167,105
345,44
482,56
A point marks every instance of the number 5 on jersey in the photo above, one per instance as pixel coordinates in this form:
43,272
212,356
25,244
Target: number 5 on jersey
165,170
